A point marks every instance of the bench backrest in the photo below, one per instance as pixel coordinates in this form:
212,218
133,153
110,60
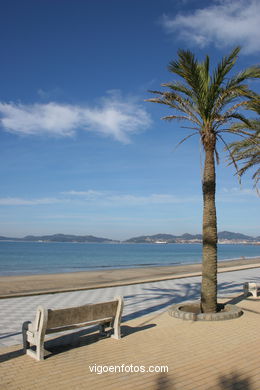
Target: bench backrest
81,314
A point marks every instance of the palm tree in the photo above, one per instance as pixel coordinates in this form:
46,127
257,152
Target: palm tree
210,101
247,150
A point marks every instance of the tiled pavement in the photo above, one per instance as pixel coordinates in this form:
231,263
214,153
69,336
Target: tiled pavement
139,299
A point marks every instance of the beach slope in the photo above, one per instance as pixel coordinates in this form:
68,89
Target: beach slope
11,286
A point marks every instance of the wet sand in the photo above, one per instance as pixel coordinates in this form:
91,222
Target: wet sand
11,286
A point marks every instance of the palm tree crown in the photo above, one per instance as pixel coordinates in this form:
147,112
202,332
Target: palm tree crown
207,100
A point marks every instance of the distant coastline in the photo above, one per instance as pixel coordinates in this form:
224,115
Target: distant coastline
224,237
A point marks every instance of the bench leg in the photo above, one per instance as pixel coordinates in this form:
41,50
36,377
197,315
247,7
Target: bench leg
39,353
250,292
245,291
117,334
117,331
117,321
251,289
102,329
37,341
40,350
26,344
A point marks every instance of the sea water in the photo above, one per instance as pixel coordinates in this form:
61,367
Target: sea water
25,258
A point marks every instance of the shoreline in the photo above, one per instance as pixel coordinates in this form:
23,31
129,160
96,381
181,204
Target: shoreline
73,270
26,285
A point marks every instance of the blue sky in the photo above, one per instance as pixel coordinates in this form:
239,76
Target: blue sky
81,151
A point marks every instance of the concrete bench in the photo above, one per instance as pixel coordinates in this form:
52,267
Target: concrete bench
105,314
251,287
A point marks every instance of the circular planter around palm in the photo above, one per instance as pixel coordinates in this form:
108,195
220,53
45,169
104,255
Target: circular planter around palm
191,311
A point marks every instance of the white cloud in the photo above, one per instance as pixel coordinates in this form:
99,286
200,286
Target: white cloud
37,119
27,202
114,199
90,194
236,195
240,191
225,23
107,198
128,199
115,117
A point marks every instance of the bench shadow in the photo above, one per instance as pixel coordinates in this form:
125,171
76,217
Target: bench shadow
85,337
240,298
73,340
11,355
6,335
235,300
127,330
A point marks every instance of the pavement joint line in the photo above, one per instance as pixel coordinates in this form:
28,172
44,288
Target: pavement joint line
130,283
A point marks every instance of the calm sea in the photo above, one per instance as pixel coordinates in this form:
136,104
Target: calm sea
25,258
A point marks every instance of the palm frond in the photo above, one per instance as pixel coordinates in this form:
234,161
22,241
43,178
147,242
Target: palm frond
221,71
249,73
247,151
190,70
177,102
185,139
254,105
224,67
228,96
170,117
227,147
227,117
179,87
217,156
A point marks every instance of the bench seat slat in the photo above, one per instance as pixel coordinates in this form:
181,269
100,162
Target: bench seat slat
87,323
76,315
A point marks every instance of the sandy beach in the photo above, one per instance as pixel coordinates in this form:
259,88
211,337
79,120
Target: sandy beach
11,286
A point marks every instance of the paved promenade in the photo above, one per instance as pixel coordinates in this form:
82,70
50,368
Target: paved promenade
139,299
220,355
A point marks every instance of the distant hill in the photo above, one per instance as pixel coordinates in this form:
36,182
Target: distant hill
234,236
169,238
186,237
2,238
156,237
60,238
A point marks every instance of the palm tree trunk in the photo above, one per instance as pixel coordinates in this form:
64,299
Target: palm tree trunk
209,261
